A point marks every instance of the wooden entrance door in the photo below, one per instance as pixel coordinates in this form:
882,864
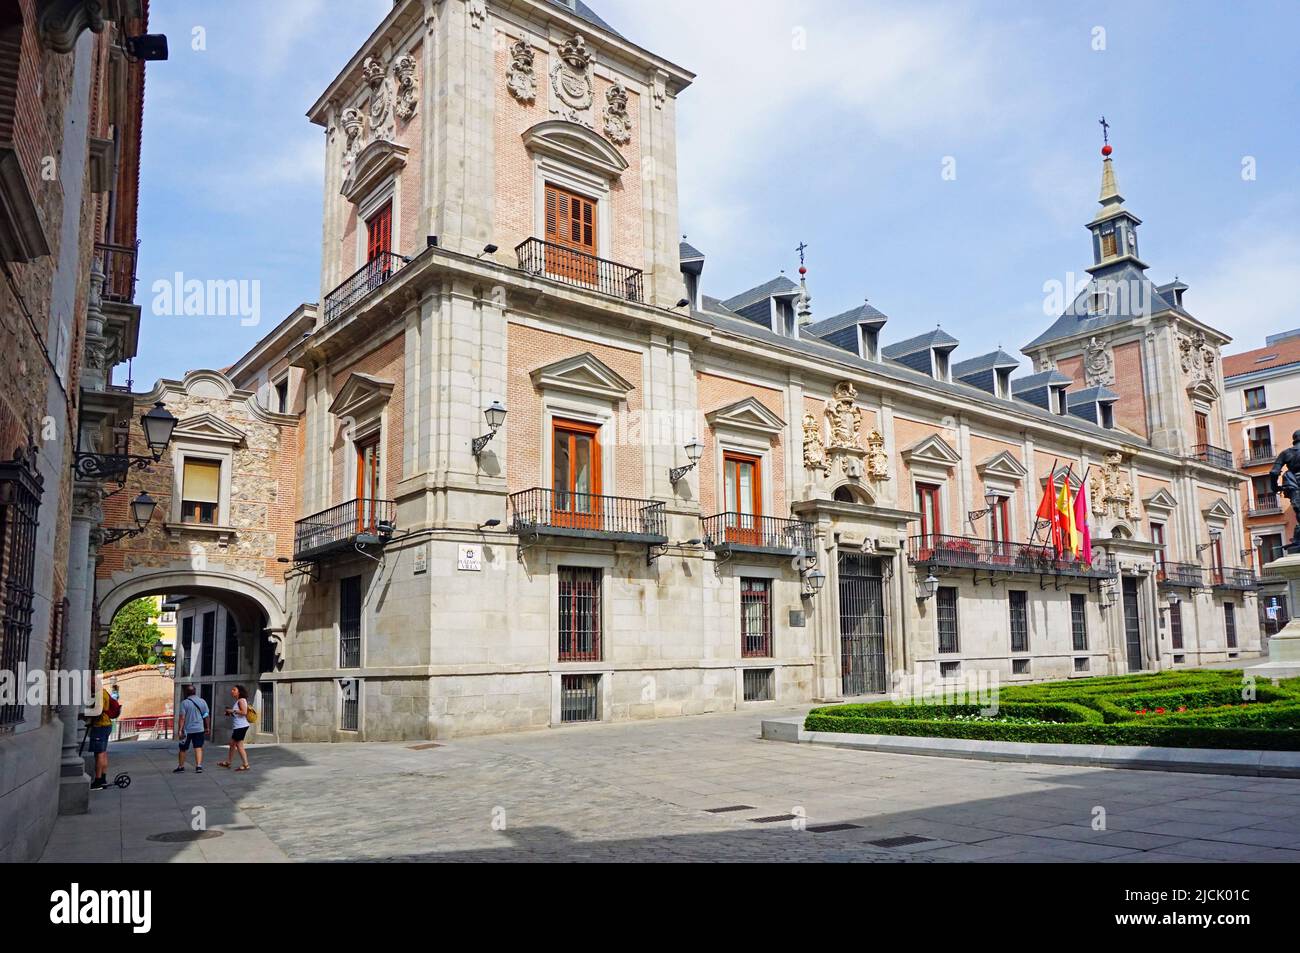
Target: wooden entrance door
575,471
571,223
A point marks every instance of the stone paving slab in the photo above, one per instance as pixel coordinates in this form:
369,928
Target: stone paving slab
641,792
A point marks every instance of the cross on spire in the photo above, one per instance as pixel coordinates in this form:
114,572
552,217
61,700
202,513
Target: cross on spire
801,248
1105,130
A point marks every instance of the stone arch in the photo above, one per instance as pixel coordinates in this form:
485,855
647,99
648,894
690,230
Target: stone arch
257,602
852,493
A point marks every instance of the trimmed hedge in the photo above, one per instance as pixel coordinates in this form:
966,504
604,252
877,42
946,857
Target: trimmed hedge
1100,711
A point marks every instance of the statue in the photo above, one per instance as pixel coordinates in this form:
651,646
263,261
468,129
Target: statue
845,418
814,452
1287,467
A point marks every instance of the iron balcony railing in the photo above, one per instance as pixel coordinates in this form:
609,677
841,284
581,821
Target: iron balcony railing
364,280
562,513
572,267
1242,579
1265,504
1214,456
343,526
1258,455
1037,559
1180,575
117,262
764,533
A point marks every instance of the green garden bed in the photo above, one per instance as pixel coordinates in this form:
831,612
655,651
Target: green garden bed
1185,709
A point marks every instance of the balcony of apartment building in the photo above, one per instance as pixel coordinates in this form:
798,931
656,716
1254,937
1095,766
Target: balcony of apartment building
347,528
544,512
1265,504
1233,580
1213,456
1259,453
730,533
117,263
956,553
578,266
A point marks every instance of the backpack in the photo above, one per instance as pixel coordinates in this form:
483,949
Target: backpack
114,708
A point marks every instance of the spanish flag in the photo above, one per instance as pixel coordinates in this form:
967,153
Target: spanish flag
1070,539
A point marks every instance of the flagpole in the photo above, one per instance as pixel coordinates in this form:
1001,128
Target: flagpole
1049,492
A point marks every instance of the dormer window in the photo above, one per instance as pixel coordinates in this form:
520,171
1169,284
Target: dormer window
1058,400
869,339
1099,302
1107,416
941,370
1002,379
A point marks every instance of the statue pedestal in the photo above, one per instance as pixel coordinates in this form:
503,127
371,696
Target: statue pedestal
1283,648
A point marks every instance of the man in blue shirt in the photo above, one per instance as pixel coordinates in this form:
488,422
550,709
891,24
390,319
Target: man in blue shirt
191,728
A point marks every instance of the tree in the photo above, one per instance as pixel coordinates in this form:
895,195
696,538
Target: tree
131,637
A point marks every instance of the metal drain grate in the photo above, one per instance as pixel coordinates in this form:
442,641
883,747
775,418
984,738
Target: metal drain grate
423,747
182,837
907,840
773,819
728,809
832,828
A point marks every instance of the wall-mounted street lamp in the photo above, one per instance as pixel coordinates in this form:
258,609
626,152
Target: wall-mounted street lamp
163,652
142,508
694,450
928,588
157,425
991,501
813,580
496,416
1215,536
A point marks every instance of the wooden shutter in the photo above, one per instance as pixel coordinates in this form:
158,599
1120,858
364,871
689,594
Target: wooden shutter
379,233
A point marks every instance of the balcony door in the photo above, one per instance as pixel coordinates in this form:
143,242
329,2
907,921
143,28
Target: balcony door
575,472
379,244
927,502
571,224
368,489
742,482
1202,429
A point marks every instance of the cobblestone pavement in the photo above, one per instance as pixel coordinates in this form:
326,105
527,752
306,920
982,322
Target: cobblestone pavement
653,791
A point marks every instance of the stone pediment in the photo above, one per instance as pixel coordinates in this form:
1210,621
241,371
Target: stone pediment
575,145
1003,466
360,395
208,428
1203,390
1162,499
1218,511
584,374
933,451
749,415
375,164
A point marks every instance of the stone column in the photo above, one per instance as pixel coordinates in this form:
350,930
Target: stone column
74,783
1284,648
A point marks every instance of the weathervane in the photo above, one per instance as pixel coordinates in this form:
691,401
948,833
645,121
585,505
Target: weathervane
1105,136
801,248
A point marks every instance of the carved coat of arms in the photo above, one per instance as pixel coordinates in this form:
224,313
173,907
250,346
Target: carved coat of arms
814,451
522,81
1112,490
618,124
845,418
571,81
1098,365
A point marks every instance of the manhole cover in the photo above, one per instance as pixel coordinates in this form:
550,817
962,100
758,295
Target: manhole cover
907,840
728,809
182,837
831,828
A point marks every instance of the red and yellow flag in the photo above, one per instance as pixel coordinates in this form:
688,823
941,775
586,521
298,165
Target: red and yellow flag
1069,540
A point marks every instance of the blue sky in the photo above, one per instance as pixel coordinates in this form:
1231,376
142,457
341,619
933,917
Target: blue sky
810,120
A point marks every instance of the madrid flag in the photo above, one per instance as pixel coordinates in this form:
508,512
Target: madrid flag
1070,539
1081,523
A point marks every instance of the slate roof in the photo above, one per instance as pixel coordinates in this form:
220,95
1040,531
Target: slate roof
585,12
715,315
862,314
1091,395
985,362
922,342
686,251
1041,379
778,285
1145,299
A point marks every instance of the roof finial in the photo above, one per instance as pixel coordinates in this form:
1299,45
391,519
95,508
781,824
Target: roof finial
1105,137
803,306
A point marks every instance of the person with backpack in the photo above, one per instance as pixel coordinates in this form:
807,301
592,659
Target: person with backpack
241,715
192,728
99,732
